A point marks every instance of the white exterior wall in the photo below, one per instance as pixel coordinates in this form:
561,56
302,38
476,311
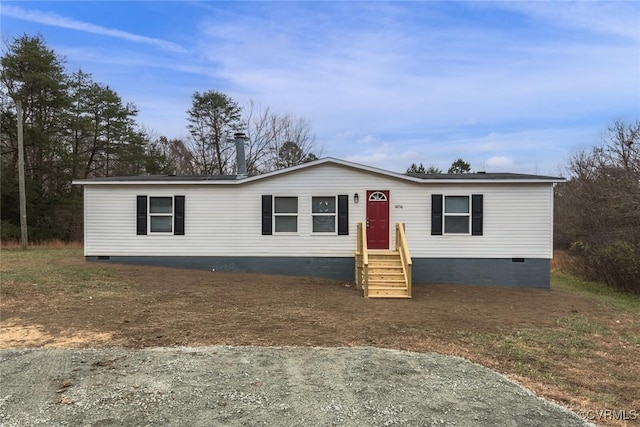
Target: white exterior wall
225,220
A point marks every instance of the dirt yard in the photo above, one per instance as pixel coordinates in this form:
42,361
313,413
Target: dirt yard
564,346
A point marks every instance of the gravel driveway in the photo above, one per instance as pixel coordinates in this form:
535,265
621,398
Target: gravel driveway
251,386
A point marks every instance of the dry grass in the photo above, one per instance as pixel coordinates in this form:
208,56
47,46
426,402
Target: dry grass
577,343
562,261
49,244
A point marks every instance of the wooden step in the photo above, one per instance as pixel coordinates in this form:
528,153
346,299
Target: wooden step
397,274
386,277
384,259
383,255
390,263
381,280
385,268
381,252
385,262
386,255
387,292
391,283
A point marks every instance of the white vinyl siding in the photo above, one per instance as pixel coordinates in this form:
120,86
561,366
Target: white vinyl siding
225,220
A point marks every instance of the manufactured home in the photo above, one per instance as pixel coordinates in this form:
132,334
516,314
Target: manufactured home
331,218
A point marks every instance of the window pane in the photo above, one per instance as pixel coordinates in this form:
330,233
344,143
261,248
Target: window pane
286,224
456,224
323,205
161,224
456,204
324,224
160,204
286,205
377,196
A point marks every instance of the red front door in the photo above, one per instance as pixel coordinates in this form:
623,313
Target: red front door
378,219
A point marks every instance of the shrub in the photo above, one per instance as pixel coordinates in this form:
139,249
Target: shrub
617,264
9,231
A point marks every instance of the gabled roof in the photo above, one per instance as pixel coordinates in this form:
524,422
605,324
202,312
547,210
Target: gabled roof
478,177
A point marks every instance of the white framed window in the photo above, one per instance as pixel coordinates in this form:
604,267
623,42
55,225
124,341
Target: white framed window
285,214
457,215
378,196
161,214
323,211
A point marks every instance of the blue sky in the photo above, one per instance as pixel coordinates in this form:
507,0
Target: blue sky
507,86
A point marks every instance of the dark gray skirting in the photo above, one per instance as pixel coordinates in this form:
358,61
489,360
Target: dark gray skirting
516,272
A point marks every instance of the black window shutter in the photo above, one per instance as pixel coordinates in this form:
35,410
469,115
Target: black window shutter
178,217
141,218
267,208
436,214
343,215
476,214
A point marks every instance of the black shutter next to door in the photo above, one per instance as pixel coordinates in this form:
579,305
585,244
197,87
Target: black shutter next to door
343,215
141,216
267,209
476,214
436,214
178,220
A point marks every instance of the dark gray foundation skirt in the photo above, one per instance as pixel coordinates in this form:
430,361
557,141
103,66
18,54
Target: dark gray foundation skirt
512,272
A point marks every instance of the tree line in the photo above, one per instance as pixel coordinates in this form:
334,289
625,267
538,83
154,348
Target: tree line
597,211
458,166
75,127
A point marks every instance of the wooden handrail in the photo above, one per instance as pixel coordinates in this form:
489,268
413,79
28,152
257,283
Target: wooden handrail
403,248
362,259
363,242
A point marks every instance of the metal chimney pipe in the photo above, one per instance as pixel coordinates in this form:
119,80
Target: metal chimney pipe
241,160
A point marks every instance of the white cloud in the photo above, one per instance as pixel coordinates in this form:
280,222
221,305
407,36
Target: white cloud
53,19
384,156
498,163
345,135
367,139
617,18
488,146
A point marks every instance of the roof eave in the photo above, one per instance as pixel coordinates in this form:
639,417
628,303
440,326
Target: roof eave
242,181
493,181
169,182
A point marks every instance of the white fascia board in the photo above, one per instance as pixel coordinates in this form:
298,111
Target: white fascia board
137,182
493,181
245,180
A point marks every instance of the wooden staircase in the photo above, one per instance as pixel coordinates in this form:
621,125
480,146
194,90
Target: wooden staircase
383,273
386,276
